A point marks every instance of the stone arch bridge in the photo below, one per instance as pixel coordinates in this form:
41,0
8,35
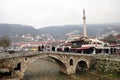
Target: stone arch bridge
15,66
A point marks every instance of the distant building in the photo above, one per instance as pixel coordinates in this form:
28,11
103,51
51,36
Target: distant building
73,37
90,46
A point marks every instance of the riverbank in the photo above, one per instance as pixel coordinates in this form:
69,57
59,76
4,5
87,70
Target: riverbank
105,76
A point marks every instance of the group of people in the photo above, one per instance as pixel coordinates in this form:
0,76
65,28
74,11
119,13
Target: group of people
53,48
40,48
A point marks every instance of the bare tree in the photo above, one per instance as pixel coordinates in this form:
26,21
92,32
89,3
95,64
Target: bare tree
5,42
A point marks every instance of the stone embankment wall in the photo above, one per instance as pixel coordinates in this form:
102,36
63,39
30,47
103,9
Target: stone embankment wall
107,64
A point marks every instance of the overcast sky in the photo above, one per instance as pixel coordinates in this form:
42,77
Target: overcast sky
42,13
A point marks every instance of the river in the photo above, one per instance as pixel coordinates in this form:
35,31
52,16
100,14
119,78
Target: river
46,69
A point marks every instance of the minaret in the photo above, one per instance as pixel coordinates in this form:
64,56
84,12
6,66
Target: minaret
84,24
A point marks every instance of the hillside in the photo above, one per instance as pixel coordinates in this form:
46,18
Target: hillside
59,32
13,29
92,29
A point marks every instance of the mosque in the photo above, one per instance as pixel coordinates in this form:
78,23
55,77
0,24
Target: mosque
87,45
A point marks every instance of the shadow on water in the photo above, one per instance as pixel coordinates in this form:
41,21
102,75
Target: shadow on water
47,69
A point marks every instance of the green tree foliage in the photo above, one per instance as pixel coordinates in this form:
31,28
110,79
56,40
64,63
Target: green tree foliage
118,39
110,39
5,42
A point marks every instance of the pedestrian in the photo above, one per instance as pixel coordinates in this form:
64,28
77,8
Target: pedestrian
39,48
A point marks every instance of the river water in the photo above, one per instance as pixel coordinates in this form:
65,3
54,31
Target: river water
45,69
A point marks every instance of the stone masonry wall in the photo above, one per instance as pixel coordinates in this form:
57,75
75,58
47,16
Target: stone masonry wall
107,64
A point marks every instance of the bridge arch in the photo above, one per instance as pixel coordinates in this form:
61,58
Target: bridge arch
60,63
82,65
62,66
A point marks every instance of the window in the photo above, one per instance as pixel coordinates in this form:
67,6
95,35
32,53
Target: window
71,62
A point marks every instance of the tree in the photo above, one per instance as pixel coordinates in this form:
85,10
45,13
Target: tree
5,42
118,39
110,39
